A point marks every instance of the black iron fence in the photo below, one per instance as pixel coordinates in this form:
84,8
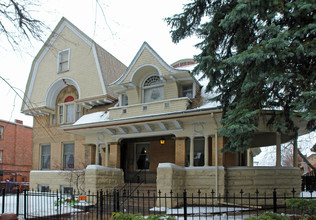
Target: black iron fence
184,205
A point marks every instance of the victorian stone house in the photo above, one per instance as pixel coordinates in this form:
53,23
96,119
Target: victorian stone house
91,112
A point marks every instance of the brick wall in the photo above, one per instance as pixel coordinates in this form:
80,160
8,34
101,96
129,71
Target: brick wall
16,147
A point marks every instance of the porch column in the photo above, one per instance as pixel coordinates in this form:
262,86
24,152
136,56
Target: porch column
206,151
97,147
115,155
106,155
295,153
191,151
249,158
278,149
180,151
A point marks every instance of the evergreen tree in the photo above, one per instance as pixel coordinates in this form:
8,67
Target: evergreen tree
258,55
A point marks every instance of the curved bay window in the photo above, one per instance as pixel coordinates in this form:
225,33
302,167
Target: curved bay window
153,89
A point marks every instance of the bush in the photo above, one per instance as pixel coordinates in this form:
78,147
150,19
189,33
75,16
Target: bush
122,216
268,216
303,207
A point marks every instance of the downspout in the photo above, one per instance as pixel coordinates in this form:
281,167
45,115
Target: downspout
216,157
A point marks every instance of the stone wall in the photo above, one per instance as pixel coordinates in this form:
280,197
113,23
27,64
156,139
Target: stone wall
193,179
265,179
230,180
105,178
53,179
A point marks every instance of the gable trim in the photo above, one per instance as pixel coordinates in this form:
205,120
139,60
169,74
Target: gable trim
64,23
154,54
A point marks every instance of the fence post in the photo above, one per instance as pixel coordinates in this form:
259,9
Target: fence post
98,204
274,200
101,204
117,200
185,205
25,206
17,201
3,199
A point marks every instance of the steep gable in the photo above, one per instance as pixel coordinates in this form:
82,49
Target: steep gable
90,69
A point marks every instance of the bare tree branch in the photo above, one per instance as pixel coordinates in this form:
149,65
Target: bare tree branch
18,24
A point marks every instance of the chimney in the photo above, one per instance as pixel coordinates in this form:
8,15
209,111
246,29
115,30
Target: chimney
19,121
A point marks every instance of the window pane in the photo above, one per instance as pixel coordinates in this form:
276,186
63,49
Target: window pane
63,62
153,94
45,157
124,100
61,112
64,56
153,80
69,156
70,113
78,111
199,152
187,91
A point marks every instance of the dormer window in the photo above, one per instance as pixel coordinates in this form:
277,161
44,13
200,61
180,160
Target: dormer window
124,100
153,89
63,61
186,90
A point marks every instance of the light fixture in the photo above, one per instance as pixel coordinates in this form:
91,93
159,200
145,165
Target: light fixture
162,141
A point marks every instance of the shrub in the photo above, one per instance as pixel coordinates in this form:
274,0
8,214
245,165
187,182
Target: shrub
122,216
268,216
303,207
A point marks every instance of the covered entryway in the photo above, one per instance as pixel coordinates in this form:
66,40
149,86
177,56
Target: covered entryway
140,157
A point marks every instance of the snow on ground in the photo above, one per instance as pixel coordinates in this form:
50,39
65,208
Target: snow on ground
38,205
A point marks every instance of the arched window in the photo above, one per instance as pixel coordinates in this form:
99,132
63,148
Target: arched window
153,89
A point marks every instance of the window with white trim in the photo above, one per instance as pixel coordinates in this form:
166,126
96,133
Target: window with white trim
153,89
78,111
43,188
67,190
69,155
124,99
53,119
45,156
61,114
1,156
186,90
63,61
69,111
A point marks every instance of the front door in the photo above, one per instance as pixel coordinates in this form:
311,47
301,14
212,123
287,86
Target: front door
142,156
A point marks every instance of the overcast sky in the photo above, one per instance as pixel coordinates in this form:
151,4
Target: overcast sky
121,30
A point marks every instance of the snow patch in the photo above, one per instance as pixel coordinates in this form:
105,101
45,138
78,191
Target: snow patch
172,165
99,167
93,118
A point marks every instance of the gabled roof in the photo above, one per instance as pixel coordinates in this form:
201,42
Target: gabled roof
102,58
146,46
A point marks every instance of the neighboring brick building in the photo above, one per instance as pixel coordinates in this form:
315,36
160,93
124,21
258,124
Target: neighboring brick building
15,151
